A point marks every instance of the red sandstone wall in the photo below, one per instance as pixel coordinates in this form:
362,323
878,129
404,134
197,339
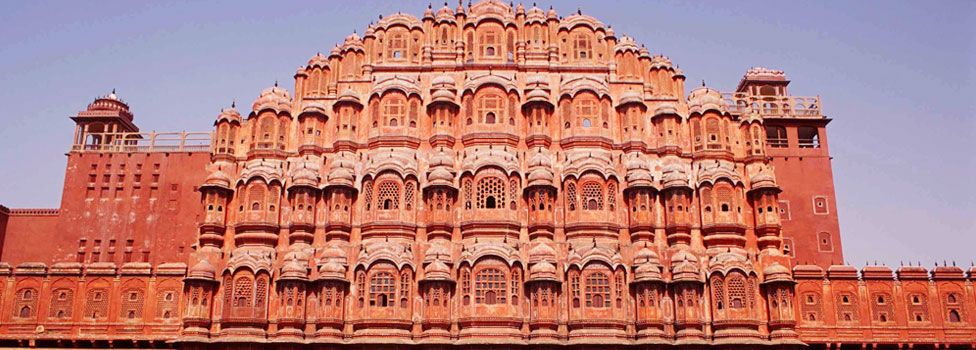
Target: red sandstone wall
806,177
31,236
117,207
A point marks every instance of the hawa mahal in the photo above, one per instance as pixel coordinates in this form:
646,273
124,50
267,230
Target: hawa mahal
480,177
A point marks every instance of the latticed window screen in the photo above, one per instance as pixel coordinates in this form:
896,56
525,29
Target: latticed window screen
96,304
811,307
26,303
61,300
737,292
706,198
408,194
571,195
918,308
847,307
382,289
516,282
491,193
597,290
718,292
243,292
468,193
388,196
490,286
466,285
592,196
131,304
368,193
881,307
582,47
724,196
513,190
612,195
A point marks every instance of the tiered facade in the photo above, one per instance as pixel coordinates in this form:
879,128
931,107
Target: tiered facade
480,176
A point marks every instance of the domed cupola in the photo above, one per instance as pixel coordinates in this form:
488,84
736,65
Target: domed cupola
437,271
777,273
273,98
305,174
441,170
540,169
705,99
230,115
332,264
639,173
319,61
293,270
429,12
202,271
764,179
684,267
218,179
341,171
674,175
647,265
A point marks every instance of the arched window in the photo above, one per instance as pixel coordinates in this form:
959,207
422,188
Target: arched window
490,40
597,290
398,46
490,286
491,193
954,316
393,109
586,109
582,47
381,289
592,196
491,106
575,288
388,195
243,291
737,292
25,312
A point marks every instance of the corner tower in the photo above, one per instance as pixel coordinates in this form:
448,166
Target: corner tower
796,140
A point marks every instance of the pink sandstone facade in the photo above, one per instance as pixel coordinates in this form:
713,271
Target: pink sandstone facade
481,177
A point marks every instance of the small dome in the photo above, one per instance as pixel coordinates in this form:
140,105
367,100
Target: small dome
440,175
664,109
218,179
443,95
332,271
274,98
437,270
333,252
646,254
436,251
630,97
540,176
350,96
202,270
777,273
429,12
293,270
319,60
443,80
543,271
229,115
305,177
541,251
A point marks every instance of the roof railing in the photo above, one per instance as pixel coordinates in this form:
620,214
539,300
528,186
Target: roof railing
128,142
773,106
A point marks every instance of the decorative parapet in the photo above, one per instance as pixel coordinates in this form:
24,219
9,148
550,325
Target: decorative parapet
127,142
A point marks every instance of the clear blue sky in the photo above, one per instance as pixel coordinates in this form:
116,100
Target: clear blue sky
897,77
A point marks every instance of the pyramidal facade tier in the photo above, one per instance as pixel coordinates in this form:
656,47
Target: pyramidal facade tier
486,176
